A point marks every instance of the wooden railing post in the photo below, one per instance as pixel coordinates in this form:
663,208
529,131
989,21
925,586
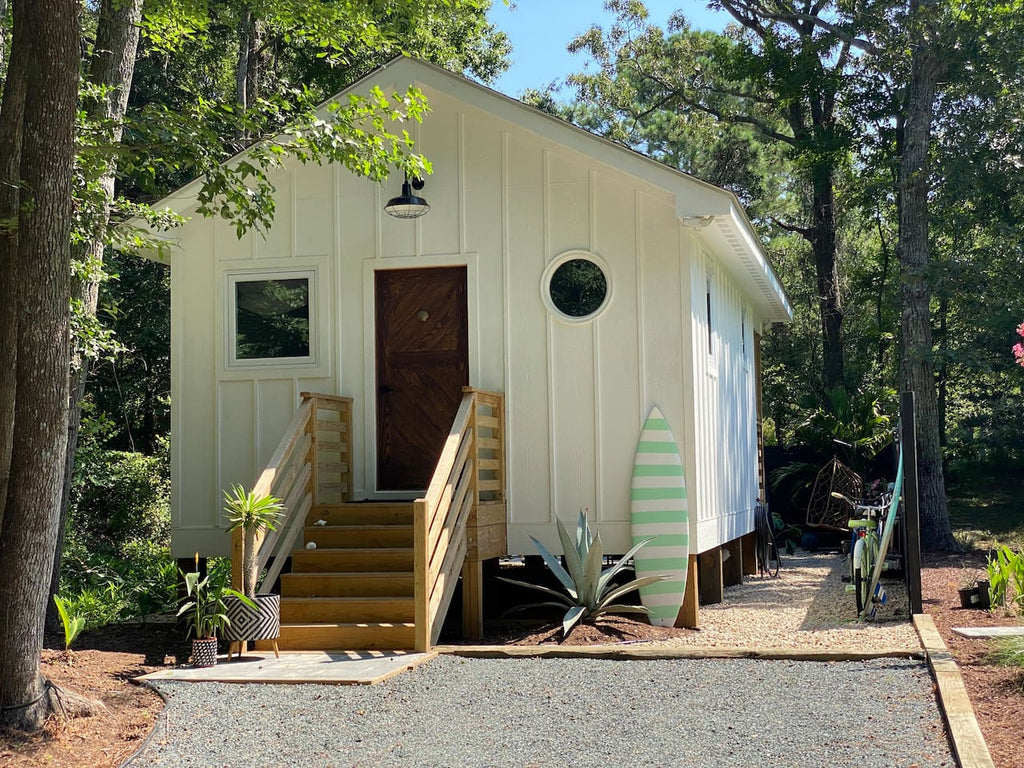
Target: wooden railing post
421,572
314,451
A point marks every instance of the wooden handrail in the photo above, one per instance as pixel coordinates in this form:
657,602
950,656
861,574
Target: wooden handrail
472,457
305,469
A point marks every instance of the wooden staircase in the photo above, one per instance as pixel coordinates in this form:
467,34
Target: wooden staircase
382,574
355,590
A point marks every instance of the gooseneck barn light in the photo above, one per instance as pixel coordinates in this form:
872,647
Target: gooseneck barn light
408,205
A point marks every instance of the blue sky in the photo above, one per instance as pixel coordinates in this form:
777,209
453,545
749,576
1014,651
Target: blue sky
540,30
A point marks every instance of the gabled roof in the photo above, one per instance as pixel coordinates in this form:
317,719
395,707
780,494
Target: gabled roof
716,212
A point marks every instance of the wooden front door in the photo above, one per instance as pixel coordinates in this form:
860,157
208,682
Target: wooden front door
422,366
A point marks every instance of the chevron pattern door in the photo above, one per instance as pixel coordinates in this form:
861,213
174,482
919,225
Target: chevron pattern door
422,366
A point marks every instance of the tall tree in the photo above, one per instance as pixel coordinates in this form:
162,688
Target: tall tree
108,79
39,146
782,73
916,360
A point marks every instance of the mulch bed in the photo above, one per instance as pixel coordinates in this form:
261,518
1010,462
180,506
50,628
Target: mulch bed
997,693
106,661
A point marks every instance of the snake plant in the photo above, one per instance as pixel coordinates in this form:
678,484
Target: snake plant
589,588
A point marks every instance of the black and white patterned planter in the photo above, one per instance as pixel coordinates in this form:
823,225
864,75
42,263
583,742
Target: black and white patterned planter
204,652
263,623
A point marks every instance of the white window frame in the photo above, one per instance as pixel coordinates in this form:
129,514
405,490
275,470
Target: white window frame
231,337
549,272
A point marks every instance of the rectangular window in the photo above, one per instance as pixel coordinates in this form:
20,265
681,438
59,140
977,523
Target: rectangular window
270,318
743,332
711,334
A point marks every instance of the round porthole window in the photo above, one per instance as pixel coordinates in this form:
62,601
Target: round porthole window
576,286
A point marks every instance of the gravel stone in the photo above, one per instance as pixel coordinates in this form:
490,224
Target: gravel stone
460,712
806,607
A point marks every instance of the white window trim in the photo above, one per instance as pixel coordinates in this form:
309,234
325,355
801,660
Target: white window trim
255,275
549,271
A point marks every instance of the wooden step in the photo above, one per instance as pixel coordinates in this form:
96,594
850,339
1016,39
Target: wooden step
361,536
342,637
347,610
357,584
363,513
349,560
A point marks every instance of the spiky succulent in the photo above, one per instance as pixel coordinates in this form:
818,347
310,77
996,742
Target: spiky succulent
589,588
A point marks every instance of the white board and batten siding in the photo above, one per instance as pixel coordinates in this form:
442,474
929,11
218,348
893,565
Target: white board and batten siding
722,446
506,201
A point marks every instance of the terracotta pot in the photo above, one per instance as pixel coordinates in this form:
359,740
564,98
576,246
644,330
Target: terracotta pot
204,652
247,624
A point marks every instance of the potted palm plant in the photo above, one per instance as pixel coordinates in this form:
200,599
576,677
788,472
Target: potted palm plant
205,614
259,616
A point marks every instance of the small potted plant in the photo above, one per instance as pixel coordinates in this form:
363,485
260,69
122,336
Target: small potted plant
968,591
204,612
258,617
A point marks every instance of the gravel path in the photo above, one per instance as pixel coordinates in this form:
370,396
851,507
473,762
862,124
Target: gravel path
560,712
806,607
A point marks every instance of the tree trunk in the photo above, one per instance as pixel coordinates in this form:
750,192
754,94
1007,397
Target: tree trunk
12,116
916,365
112,66
44,290
830,307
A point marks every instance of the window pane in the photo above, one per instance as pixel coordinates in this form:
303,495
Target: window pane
578,288
271,319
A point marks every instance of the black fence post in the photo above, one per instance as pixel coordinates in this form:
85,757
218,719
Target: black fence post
911,509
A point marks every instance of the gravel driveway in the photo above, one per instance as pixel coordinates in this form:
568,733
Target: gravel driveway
566,712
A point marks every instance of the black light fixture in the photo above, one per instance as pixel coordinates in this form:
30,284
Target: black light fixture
407,205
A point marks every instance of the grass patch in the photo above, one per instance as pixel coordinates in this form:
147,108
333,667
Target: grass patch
1009,652
989,509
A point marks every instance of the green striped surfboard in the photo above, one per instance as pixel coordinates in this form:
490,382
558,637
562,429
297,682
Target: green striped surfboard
658,508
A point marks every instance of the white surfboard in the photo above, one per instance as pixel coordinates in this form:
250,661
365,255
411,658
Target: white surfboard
658,508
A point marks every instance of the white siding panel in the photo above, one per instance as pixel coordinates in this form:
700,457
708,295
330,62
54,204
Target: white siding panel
276,402
228,246
617,377
484,235
236,422
527,397
193,403
572,409
316,211
277,242
439,141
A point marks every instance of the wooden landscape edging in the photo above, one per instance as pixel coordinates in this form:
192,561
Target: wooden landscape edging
964,732
641,653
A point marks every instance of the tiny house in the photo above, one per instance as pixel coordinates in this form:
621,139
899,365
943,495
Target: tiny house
559,287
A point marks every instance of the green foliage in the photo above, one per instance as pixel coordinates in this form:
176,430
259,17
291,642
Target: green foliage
859,421
204,608
1006,578
117,562
73,623
789,535
251,513
1007,652
590,591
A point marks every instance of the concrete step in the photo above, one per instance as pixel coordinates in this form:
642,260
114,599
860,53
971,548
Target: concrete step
341,636
347,610
356,584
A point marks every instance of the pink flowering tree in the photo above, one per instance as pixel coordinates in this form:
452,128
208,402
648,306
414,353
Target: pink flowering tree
1018,348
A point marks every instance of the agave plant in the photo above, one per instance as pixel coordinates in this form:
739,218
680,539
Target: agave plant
590,589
